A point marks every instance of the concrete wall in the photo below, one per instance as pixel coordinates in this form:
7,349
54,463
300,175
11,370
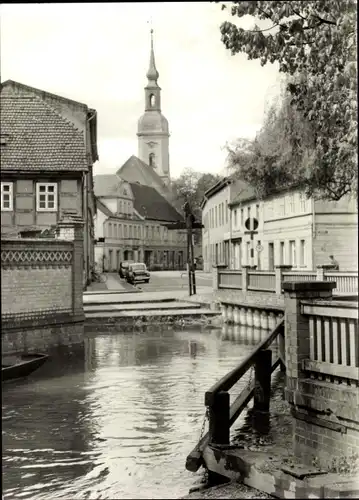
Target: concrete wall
41,291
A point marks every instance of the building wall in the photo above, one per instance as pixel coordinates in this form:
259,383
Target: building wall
296,231
41,292
138,239
216,228
158,144
25,212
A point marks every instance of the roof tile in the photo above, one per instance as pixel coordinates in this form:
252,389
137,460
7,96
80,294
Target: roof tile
38,137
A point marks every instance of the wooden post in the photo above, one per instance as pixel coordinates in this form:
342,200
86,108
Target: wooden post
263,368
219,419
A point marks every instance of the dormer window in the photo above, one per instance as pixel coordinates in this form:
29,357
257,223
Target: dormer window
152,100
152,160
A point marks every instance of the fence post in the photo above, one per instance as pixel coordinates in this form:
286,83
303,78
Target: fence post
70,227
279,270
245,278
262,388
297,327
219,419
320,273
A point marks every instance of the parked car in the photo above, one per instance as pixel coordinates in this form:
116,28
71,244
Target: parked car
124,268
137,272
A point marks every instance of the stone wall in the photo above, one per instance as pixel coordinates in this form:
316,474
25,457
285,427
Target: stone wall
41,290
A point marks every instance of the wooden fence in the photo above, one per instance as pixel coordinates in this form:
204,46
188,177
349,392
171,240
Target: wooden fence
334,341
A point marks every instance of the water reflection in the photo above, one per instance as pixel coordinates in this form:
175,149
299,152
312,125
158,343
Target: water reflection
117,417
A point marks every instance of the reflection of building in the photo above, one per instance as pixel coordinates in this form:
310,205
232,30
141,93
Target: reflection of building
136,202
292,229
48,147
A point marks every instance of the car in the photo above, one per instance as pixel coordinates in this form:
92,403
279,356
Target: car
124,265
137,272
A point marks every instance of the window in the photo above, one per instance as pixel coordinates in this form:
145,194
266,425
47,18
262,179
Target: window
291,203
152,100
130,231
125,231
120,207
227,212
257,212
216,217
110,230
249,212
152,160
281,250
302,253
292,254
120,231
116,230
242,217
46,197
6,196
235,218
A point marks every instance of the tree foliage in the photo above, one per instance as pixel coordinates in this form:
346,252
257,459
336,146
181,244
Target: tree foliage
191,186
314,43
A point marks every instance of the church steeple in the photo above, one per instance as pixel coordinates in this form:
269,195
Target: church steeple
152,89
152,73
152,131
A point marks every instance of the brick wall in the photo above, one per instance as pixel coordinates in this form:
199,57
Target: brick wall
325,411
41,289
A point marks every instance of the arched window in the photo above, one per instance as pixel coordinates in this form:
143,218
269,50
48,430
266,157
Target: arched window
152,100
151,160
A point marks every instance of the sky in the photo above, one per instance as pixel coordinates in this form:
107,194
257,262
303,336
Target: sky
98,54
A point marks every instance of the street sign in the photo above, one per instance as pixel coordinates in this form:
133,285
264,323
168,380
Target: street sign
251,224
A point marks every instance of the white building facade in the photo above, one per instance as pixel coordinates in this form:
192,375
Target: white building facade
292,230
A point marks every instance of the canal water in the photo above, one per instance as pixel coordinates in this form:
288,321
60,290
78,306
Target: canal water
117,416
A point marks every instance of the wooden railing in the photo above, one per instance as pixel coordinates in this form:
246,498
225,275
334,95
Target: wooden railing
263,281
221,414
334,340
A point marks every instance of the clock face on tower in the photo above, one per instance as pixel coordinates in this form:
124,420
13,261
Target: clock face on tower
152,144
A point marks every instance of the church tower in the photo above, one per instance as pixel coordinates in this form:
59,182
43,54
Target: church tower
152,129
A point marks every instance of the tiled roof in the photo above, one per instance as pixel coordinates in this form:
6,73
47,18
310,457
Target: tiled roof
38,137
151,205
136,170
107,184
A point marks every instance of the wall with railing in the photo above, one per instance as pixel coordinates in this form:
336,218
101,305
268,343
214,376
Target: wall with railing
322,362
271,282
41,289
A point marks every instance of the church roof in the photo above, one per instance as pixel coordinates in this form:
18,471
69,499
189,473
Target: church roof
136,170
150,204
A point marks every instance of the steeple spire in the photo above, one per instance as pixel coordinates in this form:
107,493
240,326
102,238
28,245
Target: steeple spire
152,73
